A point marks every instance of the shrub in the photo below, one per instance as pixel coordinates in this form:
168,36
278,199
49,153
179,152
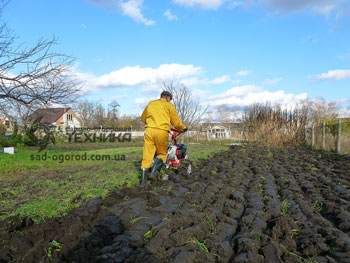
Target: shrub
18,139
15,130
273,126
7,141
2,130
28,141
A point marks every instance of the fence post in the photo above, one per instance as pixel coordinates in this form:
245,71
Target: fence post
197,135
313,136
339,136
323,135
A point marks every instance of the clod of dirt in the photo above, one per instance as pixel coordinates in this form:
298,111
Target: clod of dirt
240,206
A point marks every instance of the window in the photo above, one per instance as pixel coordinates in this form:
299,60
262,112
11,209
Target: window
69,117
7,124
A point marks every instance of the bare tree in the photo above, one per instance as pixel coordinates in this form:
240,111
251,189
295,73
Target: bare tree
188,107
274,125
94,114
85,111
99,115
33,75
320,110
112,114
209,116
130,121
17,111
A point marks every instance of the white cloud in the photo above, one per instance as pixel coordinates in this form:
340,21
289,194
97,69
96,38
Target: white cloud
344,114
246,95
238,91
205,4
133,9
242,73
221,80
234,4
149,78
88,81
170,16
199,93
324,7
132,76
346,56
321,6
107,4
194,81
121,97
270,82
142,102
335,75
325,10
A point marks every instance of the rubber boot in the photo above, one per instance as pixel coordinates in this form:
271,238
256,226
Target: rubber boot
158,164
144,177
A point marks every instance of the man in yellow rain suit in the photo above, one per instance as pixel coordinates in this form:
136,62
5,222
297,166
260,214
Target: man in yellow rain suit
158,115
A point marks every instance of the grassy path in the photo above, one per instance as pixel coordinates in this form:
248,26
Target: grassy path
39,189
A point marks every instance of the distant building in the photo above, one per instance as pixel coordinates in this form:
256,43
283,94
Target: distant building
7,124
57,117
220,130
228,125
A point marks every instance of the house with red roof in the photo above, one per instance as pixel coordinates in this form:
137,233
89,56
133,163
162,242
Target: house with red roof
57,117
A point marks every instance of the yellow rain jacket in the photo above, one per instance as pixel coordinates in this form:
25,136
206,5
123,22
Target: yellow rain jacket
158,115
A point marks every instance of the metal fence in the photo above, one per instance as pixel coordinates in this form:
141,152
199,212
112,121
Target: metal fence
329,137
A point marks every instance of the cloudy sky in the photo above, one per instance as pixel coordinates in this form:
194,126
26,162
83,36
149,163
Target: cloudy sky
228,52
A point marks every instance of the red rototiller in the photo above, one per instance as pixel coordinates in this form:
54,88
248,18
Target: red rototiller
176,157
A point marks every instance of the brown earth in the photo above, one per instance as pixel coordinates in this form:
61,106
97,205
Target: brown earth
249,204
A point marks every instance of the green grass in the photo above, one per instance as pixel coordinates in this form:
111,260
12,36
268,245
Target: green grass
27,159
45,189
285,206
53,246
317,206
204,151
133,220
211,224
201,245
148,234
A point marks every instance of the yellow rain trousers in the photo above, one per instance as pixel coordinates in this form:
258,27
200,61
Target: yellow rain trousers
158,116
155,139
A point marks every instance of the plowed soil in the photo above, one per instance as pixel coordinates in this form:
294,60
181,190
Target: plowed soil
249,204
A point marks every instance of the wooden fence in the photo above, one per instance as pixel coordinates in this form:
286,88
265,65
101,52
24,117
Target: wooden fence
328,137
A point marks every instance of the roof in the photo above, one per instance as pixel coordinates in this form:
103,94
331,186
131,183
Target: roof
3,120
216,127
48,115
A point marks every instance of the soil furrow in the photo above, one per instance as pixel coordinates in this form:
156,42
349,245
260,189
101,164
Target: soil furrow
248,204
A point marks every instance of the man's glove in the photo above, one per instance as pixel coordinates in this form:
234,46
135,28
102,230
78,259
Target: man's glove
185,130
